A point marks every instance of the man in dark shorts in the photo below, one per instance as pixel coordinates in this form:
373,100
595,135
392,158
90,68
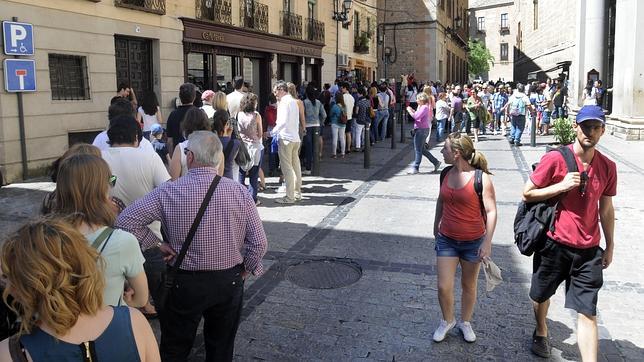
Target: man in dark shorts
572,252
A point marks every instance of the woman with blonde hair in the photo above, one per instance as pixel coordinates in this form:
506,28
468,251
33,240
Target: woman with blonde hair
292,90
464,224
56,281
220,103
421,131
82,195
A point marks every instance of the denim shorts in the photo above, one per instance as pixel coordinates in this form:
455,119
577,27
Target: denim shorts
466,250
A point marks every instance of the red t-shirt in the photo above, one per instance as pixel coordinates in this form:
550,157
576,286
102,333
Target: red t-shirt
577,218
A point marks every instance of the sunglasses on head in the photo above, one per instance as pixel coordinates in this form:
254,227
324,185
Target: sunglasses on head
113,180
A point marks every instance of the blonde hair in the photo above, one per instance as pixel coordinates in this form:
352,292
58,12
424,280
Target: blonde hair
422,97
292,90
52,275
82,190
373,91
428,90
219,102
463,144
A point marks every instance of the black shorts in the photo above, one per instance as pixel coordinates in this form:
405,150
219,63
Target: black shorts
580,268
476,123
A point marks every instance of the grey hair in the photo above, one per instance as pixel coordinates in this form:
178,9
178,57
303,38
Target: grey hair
205,147
281,85
520,87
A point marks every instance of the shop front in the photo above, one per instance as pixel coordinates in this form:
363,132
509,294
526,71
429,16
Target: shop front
216,53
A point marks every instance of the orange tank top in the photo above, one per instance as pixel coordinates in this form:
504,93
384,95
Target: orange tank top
461,219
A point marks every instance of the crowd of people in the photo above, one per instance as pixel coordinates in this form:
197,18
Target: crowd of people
158,223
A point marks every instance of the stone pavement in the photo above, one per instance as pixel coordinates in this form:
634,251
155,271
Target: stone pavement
382,220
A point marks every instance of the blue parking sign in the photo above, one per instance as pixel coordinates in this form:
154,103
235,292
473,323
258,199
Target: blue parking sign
20,75
18,38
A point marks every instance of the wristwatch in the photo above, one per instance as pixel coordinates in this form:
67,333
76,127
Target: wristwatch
159,243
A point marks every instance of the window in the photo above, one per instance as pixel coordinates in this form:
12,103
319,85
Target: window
480,24
68,77
535,4
356,24
311,11
504,21
369,25
504,51
287,6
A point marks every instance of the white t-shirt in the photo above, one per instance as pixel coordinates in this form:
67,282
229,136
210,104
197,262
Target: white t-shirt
287,124
233,100
123,260
148,120
210,111
349,103
442,109
101,142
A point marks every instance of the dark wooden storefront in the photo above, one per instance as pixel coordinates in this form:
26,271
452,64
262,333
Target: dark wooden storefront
238,49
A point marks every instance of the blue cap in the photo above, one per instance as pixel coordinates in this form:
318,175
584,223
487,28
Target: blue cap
591,113
156,129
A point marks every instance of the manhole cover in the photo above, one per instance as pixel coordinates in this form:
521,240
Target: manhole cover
324,274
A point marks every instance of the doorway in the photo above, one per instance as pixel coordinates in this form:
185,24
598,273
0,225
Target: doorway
134,63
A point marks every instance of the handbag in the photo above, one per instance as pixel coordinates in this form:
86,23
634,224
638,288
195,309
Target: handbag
343,117
170,276
243,158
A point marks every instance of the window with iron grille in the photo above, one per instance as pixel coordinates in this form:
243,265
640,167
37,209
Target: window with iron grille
504,51
68,77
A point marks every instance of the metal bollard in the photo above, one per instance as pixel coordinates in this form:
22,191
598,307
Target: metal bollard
533,133
393,129
402,114
367,147
315,167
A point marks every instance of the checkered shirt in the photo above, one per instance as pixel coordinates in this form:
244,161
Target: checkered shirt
230,231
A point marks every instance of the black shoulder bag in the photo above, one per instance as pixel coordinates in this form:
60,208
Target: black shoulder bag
533,220
170,276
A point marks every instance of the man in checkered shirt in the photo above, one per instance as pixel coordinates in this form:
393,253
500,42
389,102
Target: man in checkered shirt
228,246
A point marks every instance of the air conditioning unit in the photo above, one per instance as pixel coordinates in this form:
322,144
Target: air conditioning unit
343,60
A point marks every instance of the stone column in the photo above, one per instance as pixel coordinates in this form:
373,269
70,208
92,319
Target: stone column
628,81
591,44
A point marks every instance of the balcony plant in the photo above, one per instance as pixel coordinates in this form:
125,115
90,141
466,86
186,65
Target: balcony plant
361,42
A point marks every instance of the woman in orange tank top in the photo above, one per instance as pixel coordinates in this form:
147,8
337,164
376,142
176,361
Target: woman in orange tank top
463,230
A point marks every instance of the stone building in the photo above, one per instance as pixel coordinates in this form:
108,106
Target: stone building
84,48
493,23
426,38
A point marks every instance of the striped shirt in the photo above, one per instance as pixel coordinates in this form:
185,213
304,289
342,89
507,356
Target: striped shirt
230,232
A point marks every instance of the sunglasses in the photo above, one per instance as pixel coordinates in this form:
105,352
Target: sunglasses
583,181
113,180
186,150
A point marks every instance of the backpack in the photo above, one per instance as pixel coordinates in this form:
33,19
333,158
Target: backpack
517,108
533,220
478,187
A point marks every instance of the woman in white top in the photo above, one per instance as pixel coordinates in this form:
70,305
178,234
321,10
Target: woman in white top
149,113
194,120
249,123
82,195
207,97
589,96
442,114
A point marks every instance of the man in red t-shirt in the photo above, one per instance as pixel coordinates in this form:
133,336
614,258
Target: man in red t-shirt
572,252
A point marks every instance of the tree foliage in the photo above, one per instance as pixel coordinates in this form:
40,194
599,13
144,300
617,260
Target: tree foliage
479,58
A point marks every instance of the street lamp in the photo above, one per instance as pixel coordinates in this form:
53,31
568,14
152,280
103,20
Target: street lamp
458,22
340,14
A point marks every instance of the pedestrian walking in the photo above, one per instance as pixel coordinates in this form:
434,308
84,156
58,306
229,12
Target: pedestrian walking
249,123
477,112
499,100
54,277
518,107
464,225
315,115
287,127
442,114
421,131
226,245
571,252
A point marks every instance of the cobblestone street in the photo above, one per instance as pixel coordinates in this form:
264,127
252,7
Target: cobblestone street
382,220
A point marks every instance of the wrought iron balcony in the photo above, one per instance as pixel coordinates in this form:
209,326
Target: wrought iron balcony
150,6
253,15
504,30
218,11
315,30
291,24
361,43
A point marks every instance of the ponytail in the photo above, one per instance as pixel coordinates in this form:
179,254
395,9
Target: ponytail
464,145
479,161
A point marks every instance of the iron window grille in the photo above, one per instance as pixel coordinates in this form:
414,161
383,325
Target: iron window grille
68,77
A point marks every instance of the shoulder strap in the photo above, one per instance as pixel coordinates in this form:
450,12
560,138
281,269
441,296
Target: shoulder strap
444,173
16,349
101,237
569,157
195,225
478,188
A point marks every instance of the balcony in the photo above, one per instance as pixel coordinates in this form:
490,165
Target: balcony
361,43
315,30
149,6
218,11
291,24
253,15
504,30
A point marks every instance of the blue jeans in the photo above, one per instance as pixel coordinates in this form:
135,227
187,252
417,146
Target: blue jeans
308,147
419,148
517,125
440,129
253,175
379,128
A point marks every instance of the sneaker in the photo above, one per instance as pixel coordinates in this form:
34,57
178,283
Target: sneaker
437,165
298,196
281,189
518,144
468,333
412,171
443,328
257,203
306,172
540,345
511,141
284,200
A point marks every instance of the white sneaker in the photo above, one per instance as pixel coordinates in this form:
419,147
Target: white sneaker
306,172
443,328
468,333
281,189
412,171
284,200
298,196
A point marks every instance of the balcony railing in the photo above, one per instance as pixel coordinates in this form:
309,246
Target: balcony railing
291,25
315,30
504,30
361,43
253,15
218,11
150,6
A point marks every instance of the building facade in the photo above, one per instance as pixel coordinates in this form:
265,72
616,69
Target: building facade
494,24
424,38
85,48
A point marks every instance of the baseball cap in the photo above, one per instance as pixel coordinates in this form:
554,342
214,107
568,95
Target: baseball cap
207,94
591,113
156,129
